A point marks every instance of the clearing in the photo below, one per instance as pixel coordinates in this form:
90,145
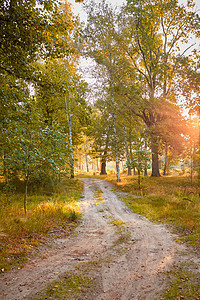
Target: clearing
127,253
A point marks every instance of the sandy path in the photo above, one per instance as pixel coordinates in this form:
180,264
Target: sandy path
135,270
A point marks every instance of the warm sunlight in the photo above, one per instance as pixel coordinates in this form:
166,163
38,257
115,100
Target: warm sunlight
99,149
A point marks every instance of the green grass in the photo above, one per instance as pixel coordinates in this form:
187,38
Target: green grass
121,230
183,284
82,283
19,233
71,286
171,200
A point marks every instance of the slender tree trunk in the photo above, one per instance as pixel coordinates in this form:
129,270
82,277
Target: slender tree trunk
5,171
79,161
145,145
86,157
191,164
116,149
131,152
139,179
97,164
25,196
155,161
104,157
127,154
198,162
68,111
166,158
115,132
86,161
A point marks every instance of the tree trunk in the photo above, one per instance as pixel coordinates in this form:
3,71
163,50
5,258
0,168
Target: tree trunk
145,145
25,196
79,161
191,164
155,161
103,168
5,171
129,171
130,149
97,164
127,154
139,179
116,149
115,131
68,111
86,161
166,157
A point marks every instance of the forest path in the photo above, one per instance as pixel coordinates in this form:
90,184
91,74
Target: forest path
133,255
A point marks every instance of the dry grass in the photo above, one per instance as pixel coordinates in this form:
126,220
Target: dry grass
19,232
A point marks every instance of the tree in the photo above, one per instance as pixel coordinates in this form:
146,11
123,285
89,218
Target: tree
151,34
63,101
101,46
101,131
140,157
31,149
32,30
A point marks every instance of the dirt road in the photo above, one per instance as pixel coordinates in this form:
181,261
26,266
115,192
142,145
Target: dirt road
139,252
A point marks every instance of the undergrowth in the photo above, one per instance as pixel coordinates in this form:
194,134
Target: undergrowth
19,233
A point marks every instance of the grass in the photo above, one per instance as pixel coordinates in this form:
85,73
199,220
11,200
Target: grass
121,230
175,202
183,284
71,286
171,200
82,283
98,196
47,212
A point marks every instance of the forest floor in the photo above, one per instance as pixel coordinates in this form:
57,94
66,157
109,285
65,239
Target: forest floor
113,254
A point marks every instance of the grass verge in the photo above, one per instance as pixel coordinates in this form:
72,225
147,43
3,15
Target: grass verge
175,202
171,200
182,284
47,212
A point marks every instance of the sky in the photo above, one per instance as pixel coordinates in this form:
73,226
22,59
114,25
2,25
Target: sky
77,7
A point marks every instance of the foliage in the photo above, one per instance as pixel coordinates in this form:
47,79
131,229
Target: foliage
150,36
32,30
140,158
34,127
31,147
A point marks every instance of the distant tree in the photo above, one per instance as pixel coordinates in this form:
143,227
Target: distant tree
100,45
140,157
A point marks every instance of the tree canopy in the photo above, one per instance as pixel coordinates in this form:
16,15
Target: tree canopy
148,65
